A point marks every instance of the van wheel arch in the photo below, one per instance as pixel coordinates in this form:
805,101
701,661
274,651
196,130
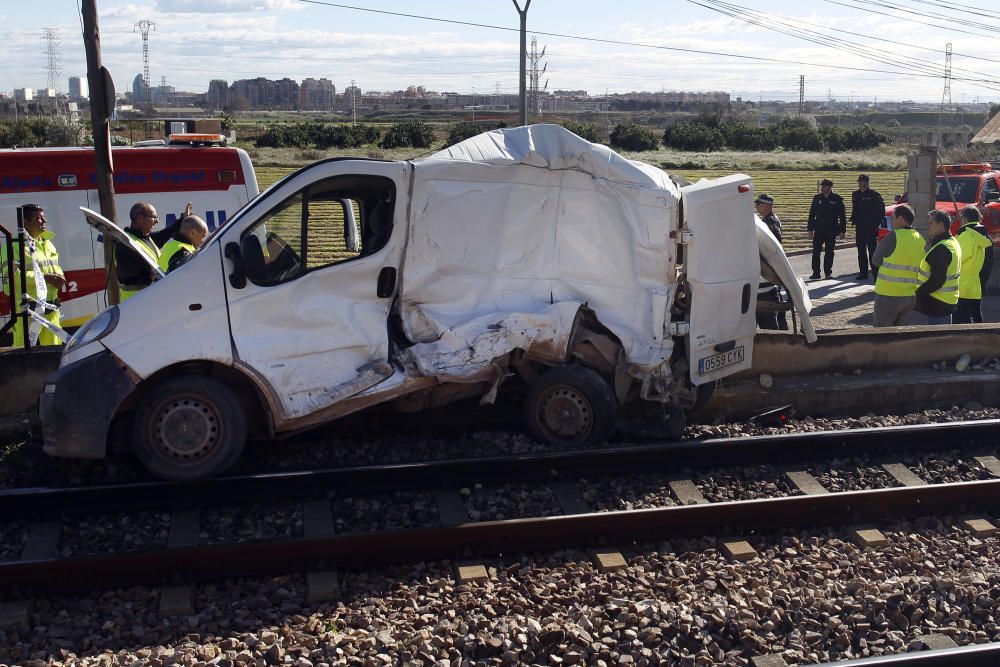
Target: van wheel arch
260,425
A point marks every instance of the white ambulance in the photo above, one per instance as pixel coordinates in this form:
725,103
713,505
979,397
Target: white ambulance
218,180
525,257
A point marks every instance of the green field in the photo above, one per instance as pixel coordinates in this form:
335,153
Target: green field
792,191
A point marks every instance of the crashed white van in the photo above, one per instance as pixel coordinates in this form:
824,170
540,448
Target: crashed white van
518,256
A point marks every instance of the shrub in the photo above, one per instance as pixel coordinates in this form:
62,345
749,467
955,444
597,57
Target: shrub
630,136
743,137
584,131
24,133
344,136
411,134
798,134
693,136
461,131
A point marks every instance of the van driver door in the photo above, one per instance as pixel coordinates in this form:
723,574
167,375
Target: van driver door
311,279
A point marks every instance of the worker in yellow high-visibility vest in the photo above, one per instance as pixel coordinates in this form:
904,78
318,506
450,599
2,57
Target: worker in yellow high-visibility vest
977,260
134,274
43,278
191,232
896,262
940,270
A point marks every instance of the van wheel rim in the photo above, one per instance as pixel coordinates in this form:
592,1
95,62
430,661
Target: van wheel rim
565,413
187,429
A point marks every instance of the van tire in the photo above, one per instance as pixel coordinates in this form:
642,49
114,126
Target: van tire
570,405
189,427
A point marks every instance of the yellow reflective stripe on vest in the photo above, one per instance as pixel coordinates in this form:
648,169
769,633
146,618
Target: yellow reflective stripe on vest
171,248
948,292
898,274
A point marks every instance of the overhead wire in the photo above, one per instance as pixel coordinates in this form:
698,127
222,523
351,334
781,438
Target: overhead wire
735,11
599,40
866,7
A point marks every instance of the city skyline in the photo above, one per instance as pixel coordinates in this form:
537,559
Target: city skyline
196,42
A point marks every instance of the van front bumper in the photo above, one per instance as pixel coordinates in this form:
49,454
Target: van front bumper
78,404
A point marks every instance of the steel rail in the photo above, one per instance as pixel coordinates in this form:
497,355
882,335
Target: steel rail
492,538
977,655
663,457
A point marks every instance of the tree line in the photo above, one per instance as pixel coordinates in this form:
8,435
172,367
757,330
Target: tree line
707,133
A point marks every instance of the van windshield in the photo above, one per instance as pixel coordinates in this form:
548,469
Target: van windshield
965,189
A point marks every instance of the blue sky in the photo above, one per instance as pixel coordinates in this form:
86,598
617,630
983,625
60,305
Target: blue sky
199,40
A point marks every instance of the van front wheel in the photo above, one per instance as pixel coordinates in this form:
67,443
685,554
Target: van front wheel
189,427
571,406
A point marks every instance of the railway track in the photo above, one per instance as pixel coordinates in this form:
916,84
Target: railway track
577,525
41,571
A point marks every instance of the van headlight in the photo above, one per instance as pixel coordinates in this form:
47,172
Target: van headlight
95,329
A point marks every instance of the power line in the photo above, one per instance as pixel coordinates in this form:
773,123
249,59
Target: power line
798,23
760,59
867,8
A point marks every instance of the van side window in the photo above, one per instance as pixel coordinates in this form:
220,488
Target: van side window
330,222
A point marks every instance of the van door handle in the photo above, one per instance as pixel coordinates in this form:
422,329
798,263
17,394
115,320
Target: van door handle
386,282
725,347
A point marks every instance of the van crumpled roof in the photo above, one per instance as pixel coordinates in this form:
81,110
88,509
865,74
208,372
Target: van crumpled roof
555,147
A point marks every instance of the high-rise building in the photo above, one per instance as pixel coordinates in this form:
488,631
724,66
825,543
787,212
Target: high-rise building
24,94
78,88
138,90
317,94
218,94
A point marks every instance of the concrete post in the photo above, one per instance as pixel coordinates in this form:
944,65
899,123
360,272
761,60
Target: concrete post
921,184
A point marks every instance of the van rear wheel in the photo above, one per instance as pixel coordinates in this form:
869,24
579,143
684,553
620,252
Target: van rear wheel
189,427
572,406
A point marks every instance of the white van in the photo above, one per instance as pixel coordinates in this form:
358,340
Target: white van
350,283
217,180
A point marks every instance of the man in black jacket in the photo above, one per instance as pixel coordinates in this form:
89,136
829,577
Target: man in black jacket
827,223
133,273
940,271
867,212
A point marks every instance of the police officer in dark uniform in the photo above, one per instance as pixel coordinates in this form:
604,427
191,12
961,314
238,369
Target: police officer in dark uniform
867,212
827,223
765,209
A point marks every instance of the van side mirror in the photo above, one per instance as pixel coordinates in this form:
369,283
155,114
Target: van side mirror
352,237
992,197
253,258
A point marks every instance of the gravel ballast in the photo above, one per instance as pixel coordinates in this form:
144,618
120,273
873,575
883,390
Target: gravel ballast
811,596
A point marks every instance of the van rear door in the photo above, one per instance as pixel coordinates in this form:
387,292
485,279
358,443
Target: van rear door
723,270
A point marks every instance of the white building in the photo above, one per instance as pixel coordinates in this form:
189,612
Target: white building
24,94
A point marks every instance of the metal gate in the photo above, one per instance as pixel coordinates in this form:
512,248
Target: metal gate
11,270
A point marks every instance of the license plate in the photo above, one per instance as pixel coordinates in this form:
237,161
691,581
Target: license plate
721,360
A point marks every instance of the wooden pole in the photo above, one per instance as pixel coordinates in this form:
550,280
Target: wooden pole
100,116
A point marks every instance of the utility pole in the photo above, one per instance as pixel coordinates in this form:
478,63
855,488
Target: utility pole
523,91
534,78
946,93
802,94
354,102
52,64
102,96
143,27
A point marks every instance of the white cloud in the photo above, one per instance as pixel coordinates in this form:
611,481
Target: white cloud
223,6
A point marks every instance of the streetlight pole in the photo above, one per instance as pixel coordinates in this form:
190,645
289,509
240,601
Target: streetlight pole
524,58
